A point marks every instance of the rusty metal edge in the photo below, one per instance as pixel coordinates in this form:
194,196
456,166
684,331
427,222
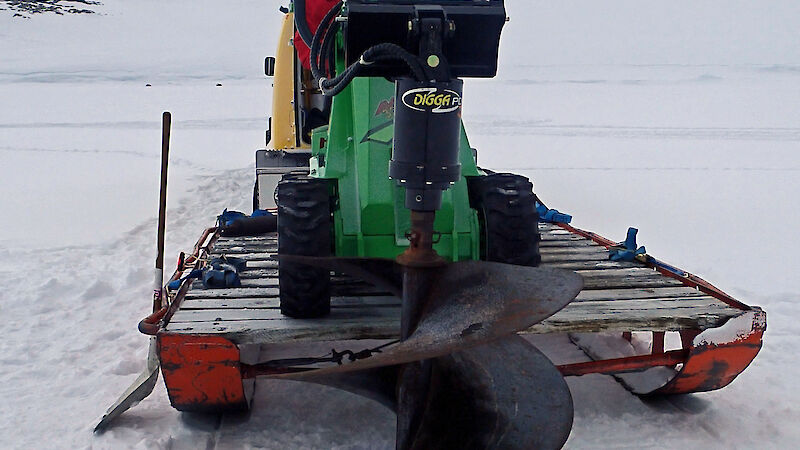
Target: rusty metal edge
715,359
706,365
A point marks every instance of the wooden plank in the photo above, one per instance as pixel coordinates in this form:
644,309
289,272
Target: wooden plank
632,277
248,239
244,249
274,303
246,283
256,257
633,307
232,303
618,272
233,293
268,242
547,230
592,265
663,315
258,273
637,293
339,287
270,292
569,243
626,316
555,231
552,253
550,258
259,282
653,281
254,332
364,313
574,250
394,302
548,225
612,268
587,306
563,237
268,277
593,295
264,264
587,250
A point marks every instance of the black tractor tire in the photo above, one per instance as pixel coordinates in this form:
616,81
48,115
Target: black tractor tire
256,205
509,222
304,228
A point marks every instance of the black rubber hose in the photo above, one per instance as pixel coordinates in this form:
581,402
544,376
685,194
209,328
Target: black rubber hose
301,23
319,37
328,56
380,52
387,51
324,36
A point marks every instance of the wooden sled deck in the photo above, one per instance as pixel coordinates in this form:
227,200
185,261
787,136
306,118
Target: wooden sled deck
617,296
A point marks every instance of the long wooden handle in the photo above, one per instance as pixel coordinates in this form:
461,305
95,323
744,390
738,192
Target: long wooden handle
166,124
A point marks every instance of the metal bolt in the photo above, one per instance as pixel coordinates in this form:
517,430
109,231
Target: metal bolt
433,61
418,198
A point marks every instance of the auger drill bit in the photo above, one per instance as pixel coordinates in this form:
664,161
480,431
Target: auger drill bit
505,394
459,377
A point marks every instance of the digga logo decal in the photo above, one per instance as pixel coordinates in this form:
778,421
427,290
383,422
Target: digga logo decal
432,99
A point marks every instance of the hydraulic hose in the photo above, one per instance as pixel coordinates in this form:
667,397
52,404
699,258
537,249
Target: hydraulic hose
301,23
320,35
323,39
328,56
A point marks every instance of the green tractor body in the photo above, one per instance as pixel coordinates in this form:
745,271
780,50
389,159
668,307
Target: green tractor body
369,217
380,151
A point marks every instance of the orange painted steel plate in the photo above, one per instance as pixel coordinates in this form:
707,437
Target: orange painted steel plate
202,373
713,366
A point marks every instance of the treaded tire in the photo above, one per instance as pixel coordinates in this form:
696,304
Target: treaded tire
255,196
508,218
304,228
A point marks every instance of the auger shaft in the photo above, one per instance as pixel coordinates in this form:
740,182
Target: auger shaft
419,262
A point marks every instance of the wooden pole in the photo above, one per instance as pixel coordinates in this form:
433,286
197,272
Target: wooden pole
158,284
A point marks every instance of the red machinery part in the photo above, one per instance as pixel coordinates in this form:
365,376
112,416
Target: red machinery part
622,365
202,373
719,355
710,359
315,12
716,356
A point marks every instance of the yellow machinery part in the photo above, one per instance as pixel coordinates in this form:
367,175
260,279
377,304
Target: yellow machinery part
284,130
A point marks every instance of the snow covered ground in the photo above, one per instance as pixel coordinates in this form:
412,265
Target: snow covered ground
680,119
